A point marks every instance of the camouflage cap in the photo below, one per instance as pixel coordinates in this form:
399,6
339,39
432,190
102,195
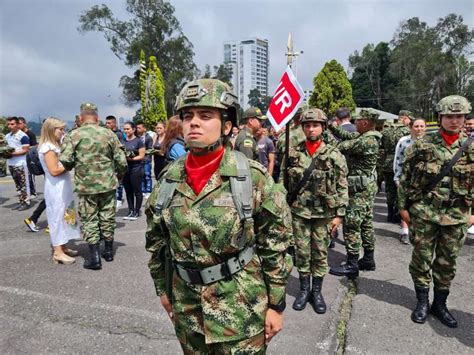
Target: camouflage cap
367,114
407,113
89,108
313,115
254,112
453,104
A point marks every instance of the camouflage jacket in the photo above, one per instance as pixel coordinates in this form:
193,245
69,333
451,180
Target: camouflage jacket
246,144
361,152
450,201
388,144
203,231
96,156
325,194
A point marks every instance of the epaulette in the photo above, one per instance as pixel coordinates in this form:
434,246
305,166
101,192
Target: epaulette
256,165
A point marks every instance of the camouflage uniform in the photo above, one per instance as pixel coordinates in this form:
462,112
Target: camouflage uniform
438,217
203,231
95,154
361,152
390,138
246,143
3,160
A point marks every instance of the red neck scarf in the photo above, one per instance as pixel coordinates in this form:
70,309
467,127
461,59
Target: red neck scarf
449,138
199,168
312,147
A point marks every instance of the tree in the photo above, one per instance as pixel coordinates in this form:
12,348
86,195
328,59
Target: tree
152,92
258,100
332,89
371,78
153,28
221,72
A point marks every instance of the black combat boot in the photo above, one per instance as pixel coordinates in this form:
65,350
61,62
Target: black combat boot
108,253
94,262
367,263
439,309
420,313
317,299
303,295
349,269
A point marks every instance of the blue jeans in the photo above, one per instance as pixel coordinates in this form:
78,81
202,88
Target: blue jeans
147,182
119,193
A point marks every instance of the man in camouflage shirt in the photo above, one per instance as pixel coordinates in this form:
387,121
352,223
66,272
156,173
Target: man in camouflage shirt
236,311
95,154
361,151
319,207
390,138
245,141
437,214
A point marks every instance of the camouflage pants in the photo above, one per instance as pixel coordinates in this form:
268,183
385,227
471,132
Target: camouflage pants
390,190
3,165
358,228
195,344
312,241
435,250
18,174
97,214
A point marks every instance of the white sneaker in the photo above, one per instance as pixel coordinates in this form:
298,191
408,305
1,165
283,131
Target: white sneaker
31,225
146,195
119,205
471,230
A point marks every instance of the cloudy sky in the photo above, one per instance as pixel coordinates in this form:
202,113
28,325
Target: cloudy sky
48,68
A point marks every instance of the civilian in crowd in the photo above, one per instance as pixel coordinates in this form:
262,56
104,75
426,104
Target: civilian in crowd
147,181
233,135
173,144
59,197
33,143
343,119
18,140
417,131
132,181
469,125
266,150
111,122
158,158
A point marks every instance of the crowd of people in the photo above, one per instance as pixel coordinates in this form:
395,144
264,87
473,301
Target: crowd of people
229,212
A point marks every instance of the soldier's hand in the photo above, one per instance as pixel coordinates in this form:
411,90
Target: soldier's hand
471,220
165,302
273,324
405,215
336,222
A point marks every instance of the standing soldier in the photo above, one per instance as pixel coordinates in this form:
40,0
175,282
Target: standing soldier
245,141
361,150
390,138
225,225
3,155
99,163
435,199
318,198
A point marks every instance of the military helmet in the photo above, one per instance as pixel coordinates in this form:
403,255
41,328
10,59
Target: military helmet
313,115
452,105
209,93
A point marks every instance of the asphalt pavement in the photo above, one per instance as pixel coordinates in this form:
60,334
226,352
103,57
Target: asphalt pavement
58,309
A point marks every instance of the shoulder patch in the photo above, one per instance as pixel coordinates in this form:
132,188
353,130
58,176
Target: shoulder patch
248,143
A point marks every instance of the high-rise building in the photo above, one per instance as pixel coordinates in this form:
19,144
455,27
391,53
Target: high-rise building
249,61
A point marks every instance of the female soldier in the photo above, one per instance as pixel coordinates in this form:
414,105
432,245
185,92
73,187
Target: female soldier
435,199
227,226
319,205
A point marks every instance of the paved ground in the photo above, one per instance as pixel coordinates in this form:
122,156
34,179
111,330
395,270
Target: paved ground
56,309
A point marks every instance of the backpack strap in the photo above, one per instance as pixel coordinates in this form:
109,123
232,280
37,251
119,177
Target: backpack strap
241,187
165,195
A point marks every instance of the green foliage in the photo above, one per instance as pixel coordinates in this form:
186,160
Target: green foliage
153,28
258,100
421,65
221,72
152,90
332,89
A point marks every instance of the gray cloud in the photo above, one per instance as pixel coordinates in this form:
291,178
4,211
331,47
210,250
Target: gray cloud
48,68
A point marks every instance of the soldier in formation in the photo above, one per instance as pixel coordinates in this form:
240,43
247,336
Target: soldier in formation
245,141
435,199
318,199
361,151
227,226
388,144
99,163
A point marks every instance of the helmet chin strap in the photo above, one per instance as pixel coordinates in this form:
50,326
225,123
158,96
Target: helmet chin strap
315,139
204,148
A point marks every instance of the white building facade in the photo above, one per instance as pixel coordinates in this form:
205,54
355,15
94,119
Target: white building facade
249,60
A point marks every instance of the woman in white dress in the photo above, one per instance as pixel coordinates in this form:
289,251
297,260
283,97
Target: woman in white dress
58,193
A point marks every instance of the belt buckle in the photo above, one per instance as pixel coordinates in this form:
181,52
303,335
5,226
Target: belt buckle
225,271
